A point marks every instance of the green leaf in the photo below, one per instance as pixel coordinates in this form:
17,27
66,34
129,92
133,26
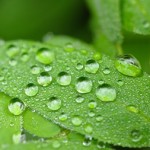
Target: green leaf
122,120
10,125
136,16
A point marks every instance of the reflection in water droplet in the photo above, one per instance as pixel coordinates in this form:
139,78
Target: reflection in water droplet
106,93
64,78
132,108
79,66
35,70
44,79
120,82
79,99
76,120
92,104
84,85
63,117
16,106
136,136
69,47
91,66
47,68
106,71
31,89
54,103
128,65
88,128
45,56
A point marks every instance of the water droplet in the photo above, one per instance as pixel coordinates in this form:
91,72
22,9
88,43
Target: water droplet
120,82
87,140
12,62
16,106
48,36
136,136
69,47
101,145
92,104
132,108
47,68
97,56
44,79
18,138
88,128
31,89
91,114
54,103
79,66
45,56
128,65
63,117
35,70
24,57
12,51
106,93
84,85
56,144
64,78
91,66
79,99
76,120
101,82
106,71
99,118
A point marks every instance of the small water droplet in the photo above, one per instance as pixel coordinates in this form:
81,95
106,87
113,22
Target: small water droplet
69,47
132,108
12,62
120,82
79,99
136,136
91,66
97,56
79,66
87,140
92,104
47,68
99,118
128,65
45,56
106,93
88,128
56,144
16,106
25,57
84,85
91,114
31,89
12,51
63,117
44,79
76,120
54,103
11,124
101,82
106,71
101,145
35,70
64,78
48,36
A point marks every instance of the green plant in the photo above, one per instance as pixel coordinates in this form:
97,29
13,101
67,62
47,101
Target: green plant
63,93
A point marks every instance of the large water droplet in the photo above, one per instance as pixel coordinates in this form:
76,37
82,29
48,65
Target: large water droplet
128,65
35,70
16,106
31,89
91,66
106,93
44,79
83,85
136,136
12,51
79,99
54,103
45,56
64,78
88,128
76,120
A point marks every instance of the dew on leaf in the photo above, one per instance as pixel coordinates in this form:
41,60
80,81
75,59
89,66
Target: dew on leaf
100,82
136,135
24,57
128,65
106,71
79,66
54,104
88,128
63,117
120,82
69,47
132,108
79,99
31,89
16,106
91,66
45,56
97,56
106,93
92,104
47,68
12,51
99,118
91,114
83,85
101,145
76,120
64,78
18,138
35,69
44,79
